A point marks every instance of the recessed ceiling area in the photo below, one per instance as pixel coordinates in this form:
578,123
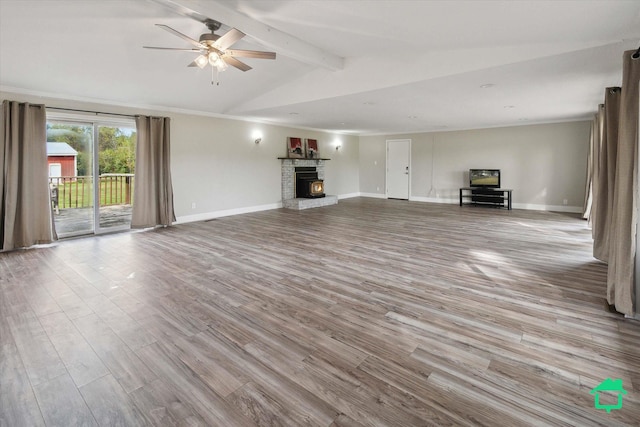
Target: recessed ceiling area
360,67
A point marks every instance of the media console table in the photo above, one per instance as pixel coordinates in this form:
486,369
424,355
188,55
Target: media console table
482,196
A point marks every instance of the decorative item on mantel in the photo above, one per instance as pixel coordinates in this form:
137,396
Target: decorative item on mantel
311,148
295,150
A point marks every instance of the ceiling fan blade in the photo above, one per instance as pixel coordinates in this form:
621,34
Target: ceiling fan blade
235,63
228,38
172,48
192,64
194,42
250,54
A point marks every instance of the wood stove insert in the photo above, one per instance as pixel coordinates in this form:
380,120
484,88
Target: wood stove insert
308,185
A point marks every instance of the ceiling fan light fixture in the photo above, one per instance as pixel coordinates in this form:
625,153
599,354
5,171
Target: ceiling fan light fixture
201,61
221,65
214,58
216,61
214,49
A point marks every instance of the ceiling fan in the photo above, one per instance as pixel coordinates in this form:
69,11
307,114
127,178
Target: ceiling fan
214,49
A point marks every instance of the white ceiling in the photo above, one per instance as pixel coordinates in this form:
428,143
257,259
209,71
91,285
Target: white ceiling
353,66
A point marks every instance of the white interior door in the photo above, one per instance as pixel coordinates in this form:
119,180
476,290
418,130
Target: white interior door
398,170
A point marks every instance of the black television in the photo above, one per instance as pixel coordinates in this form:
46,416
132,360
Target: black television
488,178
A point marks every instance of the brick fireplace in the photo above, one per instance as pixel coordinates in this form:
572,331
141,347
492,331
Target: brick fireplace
288,177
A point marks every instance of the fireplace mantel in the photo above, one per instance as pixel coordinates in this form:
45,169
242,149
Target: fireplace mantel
298,158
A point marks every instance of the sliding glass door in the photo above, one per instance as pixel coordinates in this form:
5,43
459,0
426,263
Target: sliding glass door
70,161
116,157
91,167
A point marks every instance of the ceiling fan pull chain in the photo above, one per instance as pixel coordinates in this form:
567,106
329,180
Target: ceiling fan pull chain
217,77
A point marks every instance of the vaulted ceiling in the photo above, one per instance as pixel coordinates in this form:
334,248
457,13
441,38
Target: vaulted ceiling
352,66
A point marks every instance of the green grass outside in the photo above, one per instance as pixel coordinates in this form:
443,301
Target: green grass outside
79,194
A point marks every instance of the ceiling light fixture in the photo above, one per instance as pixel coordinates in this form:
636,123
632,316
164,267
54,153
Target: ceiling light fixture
214,49
487,85
508,107
201,61
216,61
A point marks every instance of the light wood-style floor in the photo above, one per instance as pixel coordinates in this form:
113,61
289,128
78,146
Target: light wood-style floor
367,313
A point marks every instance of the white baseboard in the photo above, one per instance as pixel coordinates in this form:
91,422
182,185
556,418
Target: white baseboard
434,200
526,206
227,212
551,208
348,196
373,195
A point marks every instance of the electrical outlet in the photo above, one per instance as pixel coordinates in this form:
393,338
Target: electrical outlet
375,163
565,202
377,188
193,205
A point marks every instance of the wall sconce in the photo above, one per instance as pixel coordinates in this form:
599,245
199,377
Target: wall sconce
257,136
338,147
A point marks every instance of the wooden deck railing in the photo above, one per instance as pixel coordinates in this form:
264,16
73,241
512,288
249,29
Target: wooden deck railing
77,191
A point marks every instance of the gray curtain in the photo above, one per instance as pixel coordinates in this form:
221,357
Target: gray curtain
620,276
153,192
598,127
601,177
25,204
588,190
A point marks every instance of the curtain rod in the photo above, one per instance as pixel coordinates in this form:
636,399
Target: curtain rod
90,111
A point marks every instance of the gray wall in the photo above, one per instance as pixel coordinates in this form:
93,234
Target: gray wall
543,164
216,164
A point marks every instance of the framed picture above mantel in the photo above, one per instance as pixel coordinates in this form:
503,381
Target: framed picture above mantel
311,148
297,148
